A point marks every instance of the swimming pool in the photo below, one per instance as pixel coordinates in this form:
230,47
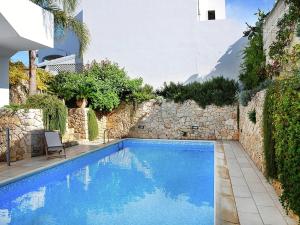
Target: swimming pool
133,182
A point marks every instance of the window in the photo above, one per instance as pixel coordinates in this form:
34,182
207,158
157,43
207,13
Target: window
211,15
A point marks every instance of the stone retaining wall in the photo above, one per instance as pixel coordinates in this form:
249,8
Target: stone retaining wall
27,133
78,122
251,135
170,120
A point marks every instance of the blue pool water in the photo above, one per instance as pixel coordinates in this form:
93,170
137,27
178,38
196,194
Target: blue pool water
133,182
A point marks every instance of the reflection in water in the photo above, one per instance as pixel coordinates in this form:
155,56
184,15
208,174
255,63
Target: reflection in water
4,217
127,160
32,201
87,178
152,208
135,186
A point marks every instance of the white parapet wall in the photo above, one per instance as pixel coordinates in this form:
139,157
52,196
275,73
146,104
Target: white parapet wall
4,84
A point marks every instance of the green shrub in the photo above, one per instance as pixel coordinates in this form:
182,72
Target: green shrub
54,111
282,117
92,125
252,116
287,142
253,66
218,91
245,96
103,84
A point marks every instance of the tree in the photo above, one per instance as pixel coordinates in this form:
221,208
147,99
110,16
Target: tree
64,19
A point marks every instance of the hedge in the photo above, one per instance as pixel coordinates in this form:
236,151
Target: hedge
218,91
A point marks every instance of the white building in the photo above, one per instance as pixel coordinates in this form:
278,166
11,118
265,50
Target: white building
23,26
168,40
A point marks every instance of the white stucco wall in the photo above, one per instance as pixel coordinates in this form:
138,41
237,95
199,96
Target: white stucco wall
270,26
156,40
217,5
4,84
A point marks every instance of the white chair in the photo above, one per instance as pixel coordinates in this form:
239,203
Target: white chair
54,145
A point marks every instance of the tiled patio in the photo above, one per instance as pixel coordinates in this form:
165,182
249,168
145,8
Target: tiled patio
247,192
256,200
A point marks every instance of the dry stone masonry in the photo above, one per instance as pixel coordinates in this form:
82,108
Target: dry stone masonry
251,135
27,133
169,120
78,123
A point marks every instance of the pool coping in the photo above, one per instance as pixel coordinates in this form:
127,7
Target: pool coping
219,216
54,164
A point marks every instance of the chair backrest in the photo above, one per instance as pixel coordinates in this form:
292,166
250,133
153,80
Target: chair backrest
52,139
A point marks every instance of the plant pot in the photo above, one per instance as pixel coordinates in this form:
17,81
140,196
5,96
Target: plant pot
81,103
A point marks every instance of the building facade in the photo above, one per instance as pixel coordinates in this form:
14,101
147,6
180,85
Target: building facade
25,27
160,41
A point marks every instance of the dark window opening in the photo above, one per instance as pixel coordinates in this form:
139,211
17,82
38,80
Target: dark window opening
211,15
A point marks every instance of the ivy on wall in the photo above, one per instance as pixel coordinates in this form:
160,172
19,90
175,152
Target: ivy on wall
281,138
287,26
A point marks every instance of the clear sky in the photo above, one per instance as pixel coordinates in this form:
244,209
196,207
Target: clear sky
240,10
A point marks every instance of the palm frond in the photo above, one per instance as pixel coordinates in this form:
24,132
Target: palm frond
64,20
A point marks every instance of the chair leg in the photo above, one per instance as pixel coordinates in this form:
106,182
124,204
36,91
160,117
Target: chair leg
46,153
65,152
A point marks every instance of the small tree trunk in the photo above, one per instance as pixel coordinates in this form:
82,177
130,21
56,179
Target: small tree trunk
32,73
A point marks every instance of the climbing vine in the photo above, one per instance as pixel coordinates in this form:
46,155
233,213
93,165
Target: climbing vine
287,26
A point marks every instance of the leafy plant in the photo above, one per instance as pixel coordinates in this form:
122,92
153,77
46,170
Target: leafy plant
17,73
92,125
281,138
268,127
43,79
246,96
218,91
54,111
254,60
252,116
286,133
287,25
103,84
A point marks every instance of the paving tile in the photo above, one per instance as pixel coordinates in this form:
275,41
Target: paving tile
241,191
270,215
242,159
238,181
245,205
250,219
262,199
256,187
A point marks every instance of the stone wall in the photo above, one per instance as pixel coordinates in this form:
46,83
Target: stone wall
78,123
27,133
270,28
251,135
170,120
